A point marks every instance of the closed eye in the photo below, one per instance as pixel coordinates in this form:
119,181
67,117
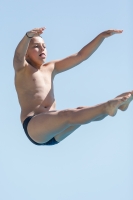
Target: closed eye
37,46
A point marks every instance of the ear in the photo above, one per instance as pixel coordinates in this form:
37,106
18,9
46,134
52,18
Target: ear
26,55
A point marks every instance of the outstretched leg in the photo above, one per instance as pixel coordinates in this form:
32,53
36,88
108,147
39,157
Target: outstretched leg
45,126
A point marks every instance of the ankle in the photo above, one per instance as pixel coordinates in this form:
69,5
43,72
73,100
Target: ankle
106,107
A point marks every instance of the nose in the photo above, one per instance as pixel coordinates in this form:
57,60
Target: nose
42,47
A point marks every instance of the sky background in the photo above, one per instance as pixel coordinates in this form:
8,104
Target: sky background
96,161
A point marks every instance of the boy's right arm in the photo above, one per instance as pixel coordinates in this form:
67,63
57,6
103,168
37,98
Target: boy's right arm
19,61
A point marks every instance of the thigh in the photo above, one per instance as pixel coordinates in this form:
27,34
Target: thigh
44,126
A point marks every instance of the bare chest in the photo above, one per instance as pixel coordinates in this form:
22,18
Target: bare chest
36,85
40,80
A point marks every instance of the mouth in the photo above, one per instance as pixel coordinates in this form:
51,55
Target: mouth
42,55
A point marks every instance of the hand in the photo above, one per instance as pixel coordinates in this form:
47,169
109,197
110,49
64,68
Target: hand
110,33
35,32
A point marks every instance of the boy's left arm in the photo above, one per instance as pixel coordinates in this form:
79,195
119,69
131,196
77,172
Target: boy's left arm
84,53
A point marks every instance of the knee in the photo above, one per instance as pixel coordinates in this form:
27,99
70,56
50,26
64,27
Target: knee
66,115
81,107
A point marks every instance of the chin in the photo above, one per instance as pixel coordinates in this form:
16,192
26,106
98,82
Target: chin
43,61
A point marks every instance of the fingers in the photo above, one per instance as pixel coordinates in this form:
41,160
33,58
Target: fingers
39,30
114,31
117,31
111,32
36,32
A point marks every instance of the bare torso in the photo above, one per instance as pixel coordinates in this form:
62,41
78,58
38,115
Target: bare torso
35,90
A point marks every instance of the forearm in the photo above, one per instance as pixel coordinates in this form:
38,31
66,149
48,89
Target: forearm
22,47
91,47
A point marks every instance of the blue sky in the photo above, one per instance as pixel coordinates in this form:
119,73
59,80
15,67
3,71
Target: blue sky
95,162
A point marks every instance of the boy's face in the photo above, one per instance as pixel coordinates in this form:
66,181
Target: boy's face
36,53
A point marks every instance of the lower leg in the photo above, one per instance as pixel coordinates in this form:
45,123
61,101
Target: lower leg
61,136
115,104
99,118
98,112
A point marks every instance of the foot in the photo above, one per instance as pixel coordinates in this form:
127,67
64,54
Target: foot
114,104
126,104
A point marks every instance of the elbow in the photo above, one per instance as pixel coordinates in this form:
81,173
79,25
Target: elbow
81,56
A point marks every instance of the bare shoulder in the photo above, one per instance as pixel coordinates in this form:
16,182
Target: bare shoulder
50,67
29,70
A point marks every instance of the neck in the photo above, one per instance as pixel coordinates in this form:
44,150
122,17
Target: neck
33,64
